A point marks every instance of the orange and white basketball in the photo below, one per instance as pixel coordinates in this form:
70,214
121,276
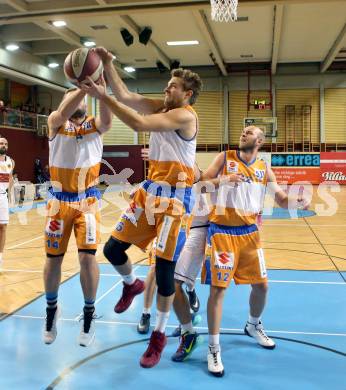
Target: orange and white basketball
81,63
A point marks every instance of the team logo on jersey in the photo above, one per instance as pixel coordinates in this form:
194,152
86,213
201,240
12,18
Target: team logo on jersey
54,227
87,125
232,166
119,226
259,173
133,213
224,260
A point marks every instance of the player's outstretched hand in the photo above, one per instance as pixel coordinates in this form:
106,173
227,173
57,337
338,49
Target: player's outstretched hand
98,91
105,55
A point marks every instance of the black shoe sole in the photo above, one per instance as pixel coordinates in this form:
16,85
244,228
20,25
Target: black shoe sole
145,331
218,374
248,334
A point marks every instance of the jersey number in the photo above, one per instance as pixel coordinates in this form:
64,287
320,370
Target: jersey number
223,277
53,244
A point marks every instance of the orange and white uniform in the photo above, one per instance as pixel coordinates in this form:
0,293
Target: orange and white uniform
158,206
75,155
234,248
6,168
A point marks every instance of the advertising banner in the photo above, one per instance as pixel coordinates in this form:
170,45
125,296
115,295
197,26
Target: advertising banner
292,167
333,167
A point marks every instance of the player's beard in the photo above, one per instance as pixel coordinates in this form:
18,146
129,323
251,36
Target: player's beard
79,113
248,148
3,151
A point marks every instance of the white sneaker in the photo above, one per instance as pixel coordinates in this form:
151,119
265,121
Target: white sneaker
50,331
215,365
258,333
87,331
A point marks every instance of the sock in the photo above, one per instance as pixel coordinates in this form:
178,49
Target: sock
253,320
161,321
187,328
146,310
214,342
130,278
52,300
89,304
189,288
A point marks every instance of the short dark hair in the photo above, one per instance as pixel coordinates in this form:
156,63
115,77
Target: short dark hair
191,81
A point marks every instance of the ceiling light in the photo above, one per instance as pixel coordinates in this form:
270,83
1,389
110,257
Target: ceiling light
12,47
182,43
89,43
53,65
59,23
129,69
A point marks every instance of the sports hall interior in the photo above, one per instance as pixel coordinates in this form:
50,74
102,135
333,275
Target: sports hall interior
281,65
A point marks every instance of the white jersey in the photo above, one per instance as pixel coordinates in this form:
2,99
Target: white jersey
6,168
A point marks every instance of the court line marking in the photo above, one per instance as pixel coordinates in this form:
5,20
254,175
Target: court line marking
240,330
24,242
144,276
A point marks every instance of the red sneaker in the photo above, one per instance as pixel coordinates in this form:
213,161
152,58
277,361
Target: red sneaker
129,292
152,355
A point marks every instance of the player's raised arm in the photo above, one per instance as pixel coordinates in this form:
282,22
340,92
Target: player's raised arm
121,92
103,121
178,118
67,107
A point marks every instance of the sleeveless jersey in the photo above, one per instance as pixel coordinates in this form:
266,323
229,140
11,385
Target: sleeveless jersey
171,162
6,167
75,155
238,204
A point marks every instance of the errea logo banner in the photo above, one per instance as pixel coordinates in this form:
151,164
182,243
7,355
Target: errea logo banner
295,160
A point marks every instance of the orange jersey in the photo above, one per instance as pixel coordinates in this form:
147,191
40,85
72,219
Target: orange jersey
75,155
238,204
171,157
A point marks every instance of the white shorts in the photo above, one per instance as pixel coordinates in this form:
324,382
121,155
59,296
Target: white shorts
4,211
192,256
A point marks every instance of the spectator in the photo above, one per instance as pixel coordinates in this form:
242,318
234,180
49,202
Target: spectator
41,177
18,189
2,111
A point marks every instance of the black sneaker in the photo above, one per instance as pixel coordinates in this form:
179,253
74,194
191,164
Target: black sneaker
144,324
50,331
193,299
87,331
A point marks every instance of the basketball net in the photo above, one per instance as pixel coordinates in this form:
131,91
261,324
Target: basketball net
224,10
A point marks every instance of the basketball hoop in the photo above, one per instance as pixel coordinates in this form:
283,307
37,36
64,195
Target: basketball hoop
224,10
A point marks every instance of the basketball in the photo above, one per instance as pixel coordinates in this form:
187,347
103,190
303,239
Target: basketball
81,63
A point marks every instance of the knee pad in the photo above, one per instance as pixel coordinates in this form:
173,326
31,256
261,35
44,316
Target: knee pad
165,277
89,251
114,251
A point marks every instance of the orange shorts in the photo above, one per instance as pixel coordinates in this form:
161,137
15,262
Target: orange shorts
233,252
136,227
82,215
